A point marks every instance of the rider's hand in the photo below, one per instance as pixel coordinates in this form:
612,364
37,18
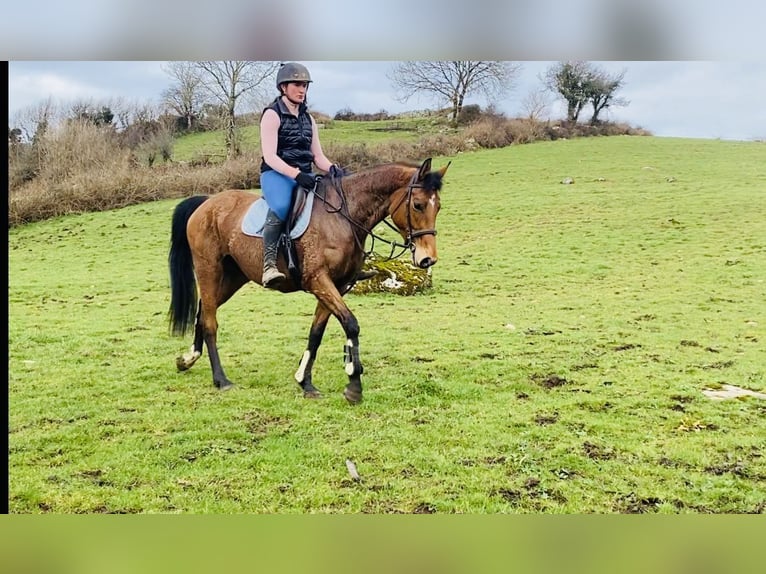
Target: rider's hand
306,180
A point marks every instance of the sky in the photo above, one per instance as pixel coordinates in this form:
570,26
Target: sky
693,99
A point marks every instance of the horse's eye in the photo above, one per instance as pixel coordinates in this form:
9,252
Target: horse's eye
418,206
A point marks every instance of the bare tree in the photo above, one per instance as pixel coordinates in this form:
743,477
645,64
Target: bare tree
37,119
226,82
451,82
536,104
184,96
602,90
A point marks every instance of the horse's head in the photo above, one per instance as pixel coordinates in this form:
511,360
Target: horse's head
414,209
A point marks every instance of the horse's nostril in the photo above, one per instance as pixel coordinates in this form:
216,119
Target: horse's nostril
427,262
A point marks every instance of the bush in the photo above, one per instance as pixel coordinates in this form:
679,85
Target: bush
123,183
469,114
349,115
81,167
489,133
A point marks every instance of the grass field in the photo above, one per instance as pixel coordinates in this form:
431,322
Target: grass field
557,366
341,132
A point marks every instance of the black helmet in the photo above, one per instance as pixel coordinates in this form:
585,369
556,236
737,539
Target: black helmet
292,72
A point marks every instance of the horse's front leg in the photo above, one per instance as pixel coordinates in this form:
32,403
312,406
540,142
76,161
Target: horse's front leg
303,374
328,295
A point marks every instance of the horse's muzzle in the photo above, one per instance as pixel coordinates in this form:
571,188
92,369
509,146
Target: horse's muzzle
426,262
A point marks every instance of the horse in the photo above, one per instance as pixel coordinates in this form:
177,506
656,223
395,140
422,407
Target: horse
211,258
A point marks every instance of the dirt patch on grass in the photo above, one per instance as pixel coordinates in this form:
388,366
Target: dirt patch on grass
627,347
718,365
633,504
597,452
507,494
261,424
549,381
543,420
424,508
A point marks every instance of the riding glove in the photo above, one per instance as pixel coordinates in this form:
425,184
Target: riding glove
306,180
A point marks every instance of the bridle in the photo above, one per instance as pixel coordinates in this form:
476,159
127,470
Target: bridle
412,234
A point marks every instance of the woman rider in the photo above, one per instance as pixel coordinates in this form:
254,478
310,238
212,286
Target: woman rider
289,145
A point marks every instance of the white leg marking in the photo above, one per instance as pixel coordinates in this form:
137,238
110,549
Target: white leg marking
300,373
191,356
350,366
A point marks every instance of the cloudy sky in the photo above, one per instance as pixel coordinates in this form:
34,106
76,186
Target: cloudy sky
711,99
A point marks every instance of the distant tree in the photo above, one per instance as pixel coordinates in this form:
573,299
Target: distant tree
451,82
602,89
536,104
226,82
14,144
185,96
580,83
84,111
14,136
570,80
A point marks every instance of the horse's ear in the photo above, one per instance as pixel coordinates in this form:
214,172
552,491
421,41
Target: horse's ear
443,170
424,169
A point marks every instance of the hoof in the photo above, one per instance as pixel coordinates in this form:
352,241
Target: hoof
366,274
224,386
353,397
181,364
315,394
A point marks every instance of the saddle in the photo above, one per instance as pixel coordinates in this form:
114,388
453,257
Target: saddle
297,222
297,219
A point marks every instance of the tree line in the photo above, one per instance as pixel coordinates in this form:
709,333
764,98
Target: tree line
209,95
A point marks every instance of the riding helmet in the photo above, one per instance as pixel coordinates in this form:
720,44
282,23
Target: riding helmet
292,72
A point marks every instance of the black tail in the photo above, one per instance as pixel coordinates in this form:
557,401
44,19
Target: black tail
183,286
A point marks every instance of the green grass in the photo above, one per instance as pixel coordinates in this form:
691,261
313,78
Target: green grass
556,367
342,132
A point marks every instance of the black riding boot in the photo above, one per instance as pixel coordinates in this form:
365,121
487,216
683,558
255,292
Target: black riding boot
272,230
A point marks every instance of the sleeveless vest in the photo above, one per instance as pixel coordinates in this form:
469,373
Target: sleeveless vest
293,138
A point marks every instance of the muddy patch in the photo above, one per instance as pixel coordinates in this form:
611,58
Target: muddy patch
260,425
546,419
507,494
549,381
597,452
633,504
424,508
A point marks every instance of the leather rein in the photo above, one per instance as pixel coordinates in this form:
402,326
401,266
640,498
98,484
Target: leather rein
412,234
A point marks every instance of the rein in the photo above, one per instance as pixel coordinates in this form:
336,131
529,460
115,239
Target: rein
411,234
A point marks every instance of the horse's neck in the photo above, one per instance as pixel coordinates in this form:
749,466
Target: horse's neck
370,201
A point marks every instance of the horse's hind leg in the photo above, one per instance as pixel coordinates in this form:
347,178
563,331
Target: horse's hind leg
303,374
188,359
215,287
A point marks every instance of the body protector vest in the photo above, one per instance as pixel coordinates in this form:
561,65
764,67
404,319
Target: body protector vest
294,137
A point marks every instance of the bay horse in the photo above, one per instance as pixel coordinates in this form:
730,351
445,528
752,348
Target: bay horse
207,241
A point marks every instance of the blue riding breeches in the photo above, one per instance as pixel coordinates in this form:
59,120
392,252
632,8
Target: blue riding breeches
278,191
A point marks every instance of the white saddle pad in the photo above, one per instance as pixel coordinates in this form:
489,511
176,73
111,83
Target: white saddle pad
252,224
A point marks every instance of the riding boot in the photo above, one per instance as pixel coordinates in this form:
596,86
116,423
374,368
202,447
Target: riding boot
272,230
